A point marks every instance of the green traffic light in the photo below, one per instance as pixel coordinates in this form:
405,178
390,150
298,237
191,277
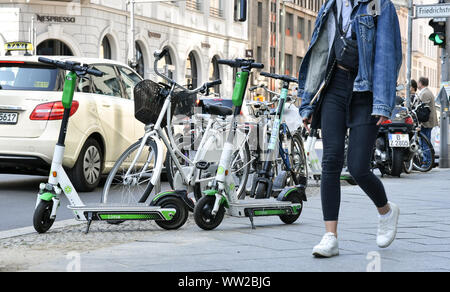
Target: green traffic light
437,39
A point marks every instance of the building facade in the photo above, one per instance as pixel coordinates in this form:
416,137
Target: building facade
196,32
425,56
265,33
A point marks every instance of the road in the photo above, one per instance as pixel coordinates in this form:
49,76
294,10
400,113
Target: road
18,199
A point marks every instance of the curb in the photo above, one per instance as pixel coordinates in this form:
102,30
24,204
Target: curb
30,229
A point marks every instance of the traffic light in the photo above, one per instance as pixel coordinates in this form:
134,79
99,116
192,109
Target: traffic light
438,36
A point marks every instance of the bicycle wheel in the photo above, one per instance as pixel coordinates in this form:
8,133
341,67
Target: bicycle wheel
298,161
171,167
240,169
423,159
127,183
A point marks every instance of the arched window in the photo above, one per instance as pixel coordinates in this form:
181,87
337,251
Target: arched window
191,71
165,65
105,49
214,73
53,47
140,64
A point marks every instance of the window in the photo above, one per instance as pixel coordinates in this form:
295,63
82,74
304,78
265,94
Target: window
288,64
108,84
193,4
29,77
299,62
289,24
53,48
215,8
130,79
300,28
260,14
140,64
310,28
259,54
214,73
191,71
105,49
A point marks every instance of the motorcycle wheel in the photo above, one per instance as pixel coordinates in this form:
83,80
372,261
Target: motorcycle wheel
396,164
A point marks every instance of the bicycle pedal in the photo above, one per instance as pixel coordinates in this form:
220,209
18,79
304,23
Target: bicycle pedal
203,165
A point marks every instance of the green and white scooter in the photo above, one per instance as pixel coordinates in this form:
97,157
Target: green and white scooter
167,209
221,196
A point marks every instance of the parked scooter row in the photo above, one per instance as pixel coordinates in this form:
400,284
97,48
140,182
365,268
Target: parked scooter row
131,191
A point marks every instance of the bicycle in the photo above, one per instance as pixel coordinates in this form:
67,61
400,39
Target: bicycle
288,168
137,172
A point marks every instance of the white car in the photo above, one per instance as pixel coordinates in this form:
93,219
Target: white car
101,128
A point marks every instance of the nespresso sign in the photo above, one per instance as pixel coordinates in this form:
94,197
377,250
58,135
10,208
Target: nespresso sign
52,18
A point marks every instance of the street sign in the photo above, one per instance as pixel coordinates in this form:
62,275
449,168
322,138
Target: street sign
433,11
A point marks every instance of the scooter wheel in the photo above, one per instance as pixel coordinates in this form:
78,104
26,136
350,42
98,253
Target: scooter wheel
293,197
202,213
41,219
180,217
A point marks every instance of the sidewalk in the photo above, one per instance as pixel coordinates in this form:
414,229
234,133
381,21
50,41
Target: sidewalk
423,241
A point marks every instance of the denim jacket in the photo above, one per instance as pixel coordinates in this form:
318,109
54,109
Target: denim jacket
380,55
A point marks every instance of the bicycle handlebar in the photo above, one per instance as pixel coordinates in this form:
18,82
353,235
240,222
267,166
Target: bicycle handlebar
241,63
202,89
285,78
72,66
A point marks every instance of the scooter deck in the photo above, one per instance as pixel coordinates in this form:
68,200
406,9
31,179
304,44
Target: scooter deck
263,207
101,212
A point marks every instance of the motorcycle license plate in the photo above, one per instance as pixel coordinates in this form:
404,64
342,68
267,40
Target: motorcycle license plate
398,140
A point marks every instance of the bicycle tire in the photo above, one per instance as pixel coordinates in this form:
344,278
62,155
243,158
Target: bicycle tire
417,161
145,191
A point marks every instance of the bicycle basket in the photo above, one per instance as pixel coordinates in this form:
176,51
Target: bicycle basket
149,99
184,103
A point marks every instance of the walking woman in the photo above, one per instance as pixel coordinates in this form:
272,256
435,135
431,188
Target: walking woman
348,81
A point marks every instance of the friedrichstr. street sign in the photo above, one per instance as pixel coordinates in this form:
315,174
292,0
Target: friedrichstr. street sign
433,10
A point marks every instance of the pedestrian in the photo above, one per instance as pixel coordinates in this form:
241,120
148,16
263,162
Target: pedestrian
427,97
351,88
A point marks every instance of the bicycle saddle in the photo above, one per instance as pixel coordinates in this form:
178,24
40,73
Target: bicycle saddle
218,110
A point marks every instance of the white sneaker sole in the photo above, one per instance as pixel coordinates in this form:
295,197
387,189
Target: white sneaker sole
321,254
395,232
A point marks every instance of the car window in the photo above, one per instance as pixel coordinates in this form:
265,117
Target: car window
108,84
22,76
130,79
84,85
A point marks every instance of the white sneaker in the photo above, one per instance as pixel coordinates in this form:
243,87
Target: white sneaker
328,246
387,227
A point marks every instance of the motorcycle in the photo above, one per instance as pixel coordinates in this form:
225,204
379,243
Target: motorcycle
393,147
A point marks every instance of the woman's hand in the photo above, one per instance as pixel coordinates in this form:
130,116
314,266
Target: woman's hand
306,122
381,120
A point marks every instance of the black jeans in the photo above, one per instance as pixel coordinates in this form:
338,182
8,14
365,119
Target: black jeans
342,109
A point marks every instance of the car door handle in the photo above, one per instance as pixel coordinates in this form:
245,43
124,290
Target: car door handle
106,105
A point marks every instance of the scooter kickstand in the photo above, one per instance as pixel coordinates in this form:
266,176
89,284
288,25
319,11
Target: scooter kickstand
250,215
89,221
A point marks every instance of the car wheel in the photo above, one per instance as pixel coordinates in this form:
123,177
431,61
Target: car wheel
86,173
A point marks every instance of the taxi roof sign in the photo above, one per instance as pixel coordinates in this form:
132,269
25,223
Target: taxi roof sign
18,46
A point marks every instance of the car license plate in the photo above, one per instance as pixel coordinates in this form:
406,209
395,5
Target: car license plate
8,118
398,140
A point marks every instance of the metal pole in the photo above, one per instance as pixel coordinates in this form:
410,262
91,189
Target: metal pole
132,54
283,38
444,160
409,54
277,40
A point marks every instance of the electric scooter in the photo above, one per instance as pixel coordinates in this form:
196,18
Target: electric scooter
221,195
167,209
265,185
